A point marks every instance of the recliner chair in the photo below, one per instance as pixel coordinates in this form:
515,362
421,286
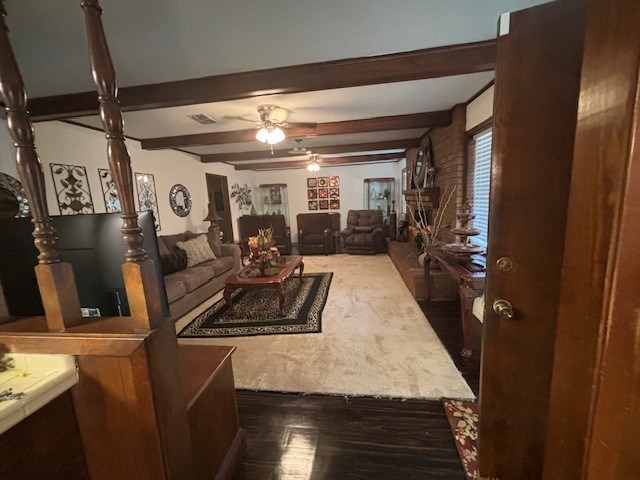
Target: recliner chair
364,233
316,233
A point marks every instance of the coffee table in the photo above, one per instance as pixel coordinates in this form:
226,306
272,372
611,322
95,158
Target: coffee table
249,277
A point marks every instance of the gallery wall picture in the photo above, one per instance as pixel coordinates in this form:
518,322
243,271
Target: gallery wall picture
147,198
323,193
109,192
72,189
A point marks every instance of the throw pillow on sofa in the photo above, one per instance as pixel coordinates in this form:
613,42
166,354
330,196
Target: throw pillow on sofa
174,261
198,250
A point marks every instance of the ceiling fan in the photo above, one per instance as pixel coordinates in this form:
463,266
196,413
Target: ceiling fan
299,149
272,120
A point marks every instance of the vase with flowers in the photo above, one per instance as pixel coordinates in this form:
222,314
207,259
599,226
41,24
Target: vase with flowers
262,249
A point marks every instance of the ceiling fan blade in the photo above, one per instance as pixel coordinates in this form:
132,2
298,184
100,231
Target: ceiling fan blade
236,117
302,124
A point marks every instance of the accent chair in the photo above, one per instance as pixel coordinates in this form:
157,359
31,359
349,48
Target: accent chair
364,233
317,233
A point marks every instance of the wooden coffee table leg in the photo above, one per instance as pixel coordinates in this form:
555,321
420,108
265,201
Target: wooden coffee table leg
228,290
301,270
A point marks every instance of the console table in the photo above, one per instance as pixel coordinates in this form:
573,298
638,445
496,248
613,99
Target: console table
471,280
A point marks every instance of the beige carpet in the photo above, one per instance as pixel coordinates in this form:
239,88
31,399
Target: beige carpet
375,341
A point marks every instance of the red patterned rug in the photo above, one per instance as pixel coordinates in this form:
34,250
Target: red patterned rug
463,420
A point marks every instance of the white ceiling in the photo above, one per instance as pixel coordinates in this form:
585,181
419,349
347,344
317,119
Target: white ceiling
320,106
322,141
163,40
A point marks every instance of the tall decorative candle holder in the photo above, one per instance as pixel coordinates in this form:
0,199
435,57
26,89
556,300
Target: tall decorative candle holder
464,230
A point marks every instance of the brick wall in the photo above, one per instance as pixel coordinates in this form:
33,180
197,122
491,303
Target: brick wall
449,155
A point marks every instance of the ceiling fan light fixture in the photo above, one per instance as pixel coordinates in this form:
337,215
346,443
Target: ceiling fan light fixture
262,135
276,136
314,166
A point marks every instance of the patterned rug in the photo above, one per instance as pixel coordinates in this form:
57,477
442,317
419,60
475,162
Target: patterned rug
255,312
463,420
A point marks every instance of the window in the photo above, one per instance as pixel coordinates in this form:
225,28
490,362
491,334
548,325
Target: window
478,182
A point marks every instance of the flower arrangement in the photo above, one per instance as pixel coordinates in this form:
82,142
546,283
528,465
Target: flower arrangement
428,233
242,196
262,249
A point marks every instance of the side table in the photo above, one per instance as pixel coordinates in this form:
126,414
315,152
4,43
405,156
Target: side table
471,281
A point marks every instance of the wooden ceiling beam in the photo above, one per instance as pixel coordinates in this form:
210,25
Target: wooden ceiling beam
324,162
327,150
352,72
377,124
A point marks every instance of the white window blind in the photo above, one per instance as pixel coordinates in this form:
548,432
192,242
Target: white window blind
481,155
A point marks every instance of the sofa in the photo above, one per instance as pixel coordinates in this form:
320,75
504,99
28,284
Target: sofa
188,288
364,233
248,226
316,232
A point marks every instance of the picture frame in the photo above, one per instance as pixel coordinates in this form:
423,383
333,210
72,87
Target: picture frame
312,182
323,204
312,193
313,205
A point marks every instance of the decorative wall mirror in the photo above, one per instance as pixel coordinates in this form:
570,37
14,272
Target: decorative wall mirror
180,200
13,199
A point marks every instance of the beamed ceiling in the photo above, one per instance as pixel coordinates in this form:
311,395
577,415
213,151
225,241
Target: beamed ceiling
373,75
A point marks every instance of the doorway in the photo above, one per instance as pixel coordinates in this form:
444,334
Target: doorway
218,192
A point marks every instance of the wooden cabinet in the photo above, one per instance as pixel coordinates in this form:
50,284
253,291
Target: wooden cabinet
217,440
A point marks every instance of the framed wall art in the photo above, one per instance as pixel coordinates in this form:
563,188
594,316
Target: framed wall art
323,193
72,189
13,198
109,192
180,200
147,197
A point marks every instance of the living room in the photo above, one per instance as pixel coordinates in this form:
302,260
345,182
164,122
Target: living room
387,336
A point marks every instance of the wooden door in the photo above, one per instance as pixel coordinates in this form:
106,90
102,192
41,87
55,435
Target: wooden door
218,191
536,96
594,416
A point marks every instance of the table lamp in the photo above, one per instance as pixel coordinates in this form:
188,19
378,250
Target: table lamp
212,217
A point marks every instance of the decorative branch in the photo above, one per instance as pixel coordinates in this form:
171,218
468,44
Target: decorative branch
430,232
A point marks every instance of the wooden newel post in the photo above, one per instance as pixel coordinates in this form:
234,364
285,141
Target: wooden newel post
139,275
55,278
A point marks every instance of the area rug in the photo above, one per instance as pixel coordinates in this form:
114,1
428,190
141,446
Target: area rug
375,341
255,312
463,420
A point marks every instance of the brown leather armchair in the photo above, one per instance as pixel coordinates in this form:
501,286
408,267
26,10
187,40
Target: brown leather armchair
248,226
364,232
316,233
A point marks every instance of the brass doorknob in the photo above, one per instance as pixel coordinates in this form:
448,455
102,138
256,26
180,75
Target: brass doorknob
503,308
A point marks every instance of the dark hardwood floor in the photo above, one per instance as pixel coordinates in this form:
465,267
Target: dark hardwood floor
337,438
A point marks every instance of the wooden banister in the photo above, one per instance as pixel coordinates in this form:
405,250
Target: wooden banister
55,278
104,77
143,291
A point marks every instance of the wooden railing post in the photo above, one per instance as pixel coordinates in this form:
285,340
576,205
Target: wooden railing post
55,278
139,275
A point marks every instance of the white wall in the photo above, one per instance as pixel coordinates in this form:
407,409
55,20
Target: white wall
480,109
351,187
59,142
